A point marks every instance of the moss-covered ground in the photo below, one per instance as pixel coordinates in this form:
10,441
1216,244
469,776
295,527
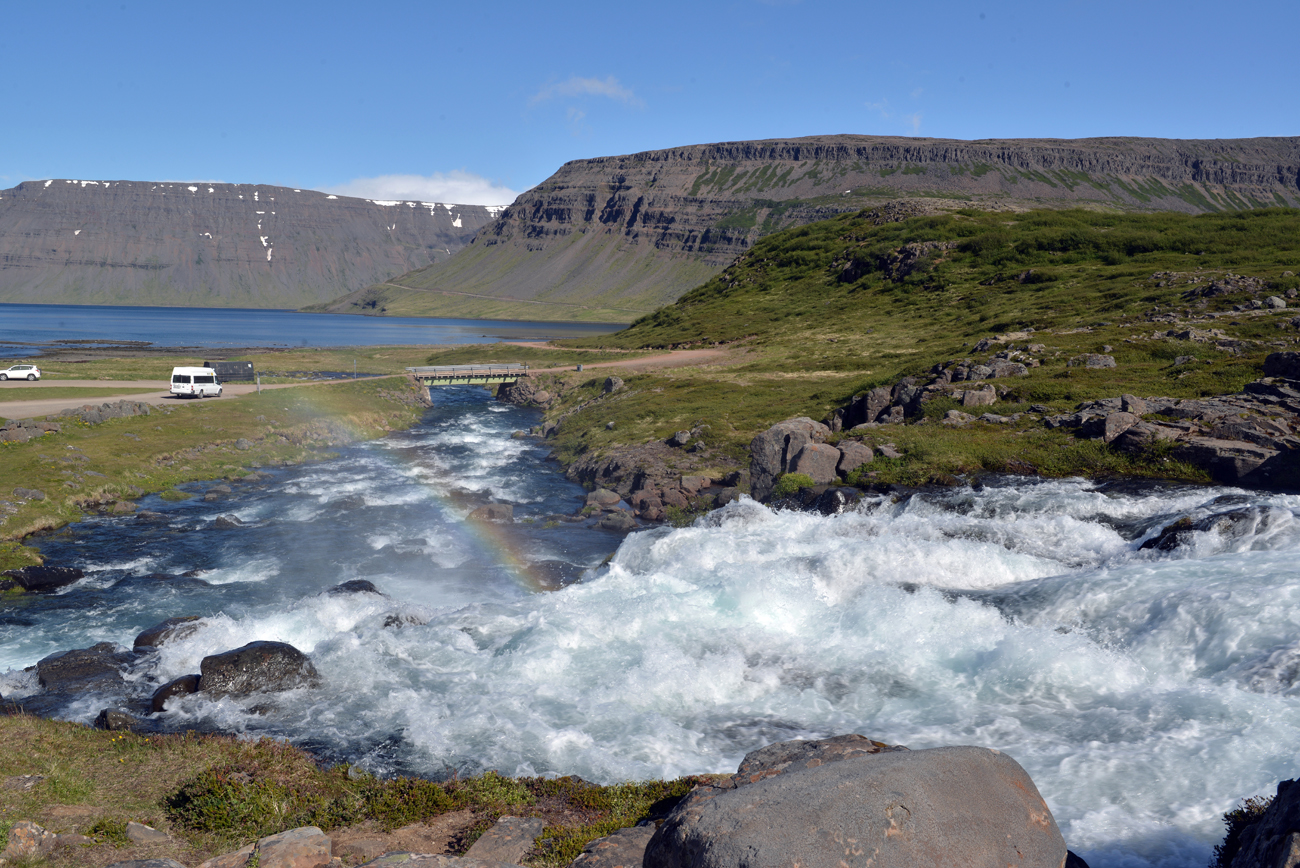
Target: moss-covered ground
213,794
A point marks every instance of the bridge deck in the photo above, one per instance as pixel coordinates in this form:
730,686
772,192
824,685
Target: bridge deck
462,375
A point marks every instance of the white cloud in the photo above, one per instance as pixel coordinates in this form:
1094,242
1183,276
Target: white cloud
578,86
456,187
915,122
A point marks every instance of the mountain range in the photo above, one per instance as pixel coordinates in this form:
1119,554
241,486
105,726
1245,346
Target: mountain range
603,239
612,238
195,244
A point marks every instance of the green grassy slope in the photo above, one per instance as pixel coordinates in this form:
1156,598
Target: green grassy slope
826,311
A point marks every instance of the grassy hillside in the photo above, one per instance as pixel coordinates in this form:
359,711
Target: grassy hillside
820,313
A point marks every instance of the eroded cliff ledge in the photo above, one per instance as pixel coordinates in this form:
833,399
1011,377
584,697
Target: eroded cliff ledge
611,238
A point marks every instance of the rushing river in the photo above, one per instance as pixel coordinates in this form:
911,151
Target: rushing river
1144,690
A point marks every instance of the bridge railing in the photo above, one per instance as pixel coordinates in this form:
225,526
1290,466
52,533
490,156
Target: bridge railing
451,370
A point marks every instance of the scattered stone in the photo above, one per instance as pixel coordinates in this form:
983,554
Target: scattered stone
305,847
494,512
28,841
623,849
680,439
21,783
818,460
354,586
1092,360
1133,404
612,384
157,863
609,426
122,507
166,631
619,520
1182,360
603,498
507,841
977,397
957,418
227,522
256,668
243,444
116,720
772,451
139,833
43,580
1275,302
889,450
1116,424
183,686
693,484
83,669
853,455
238,859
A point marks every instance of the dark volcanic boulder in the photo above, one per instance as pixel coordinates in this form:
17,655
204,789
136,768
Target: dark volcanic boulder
965,806
258,667
116,720
183,686
84,668
164,632
354,586
42,580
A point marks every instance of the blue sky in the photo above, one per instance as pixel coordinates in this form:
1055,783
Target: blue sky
474,102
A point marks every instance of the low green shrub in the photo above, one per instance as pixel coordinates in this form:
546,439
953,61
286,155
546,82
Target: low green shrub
790,483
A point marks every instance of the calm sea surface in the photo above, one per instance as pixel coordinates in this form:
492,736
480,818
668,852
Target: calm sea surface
24,327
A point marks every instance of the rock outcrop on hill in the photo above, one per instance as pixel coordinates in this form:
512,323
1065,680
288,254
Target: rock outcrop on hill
611,238
212,245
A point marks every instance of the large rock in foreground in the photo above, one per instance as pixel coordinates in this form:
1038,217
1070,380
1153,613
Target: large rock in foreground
258,667
966,806
1273,841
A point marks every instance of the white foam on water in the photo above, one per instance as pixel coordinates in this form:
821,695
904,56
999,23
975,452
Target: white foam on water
1144,692
255,569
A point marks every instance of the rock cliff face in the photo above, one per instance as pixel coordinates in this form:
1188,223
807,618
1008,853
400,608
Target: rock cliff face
613,237
212,245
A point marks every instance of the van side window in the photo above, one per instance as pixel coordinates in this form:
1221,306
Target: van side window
201,378
180,378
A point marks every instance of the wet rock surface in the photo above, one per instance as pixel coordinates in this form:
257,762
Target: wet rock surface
257,667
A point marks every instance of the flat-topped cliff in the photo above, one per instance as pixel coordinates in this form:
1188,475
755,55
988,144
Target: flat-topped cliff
212,245
612,237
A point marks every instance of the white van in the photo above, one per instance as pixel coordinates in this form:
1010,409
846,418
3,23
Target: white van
195,383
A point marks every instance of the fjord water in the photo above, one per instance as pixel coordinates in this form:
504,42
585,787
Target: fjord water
24,326
1144,690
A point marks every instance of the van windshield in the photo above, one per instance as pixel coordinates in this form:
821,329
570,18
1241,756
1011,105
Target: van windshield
180,378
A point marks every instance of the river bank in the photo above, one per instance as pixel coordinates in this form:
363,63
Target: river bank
74,467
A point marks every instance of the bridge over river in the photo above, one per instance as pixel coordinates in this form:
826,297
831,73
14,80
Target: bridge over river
462,375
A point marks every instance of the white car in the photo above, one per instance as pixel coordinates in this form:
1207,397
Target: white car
21,372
